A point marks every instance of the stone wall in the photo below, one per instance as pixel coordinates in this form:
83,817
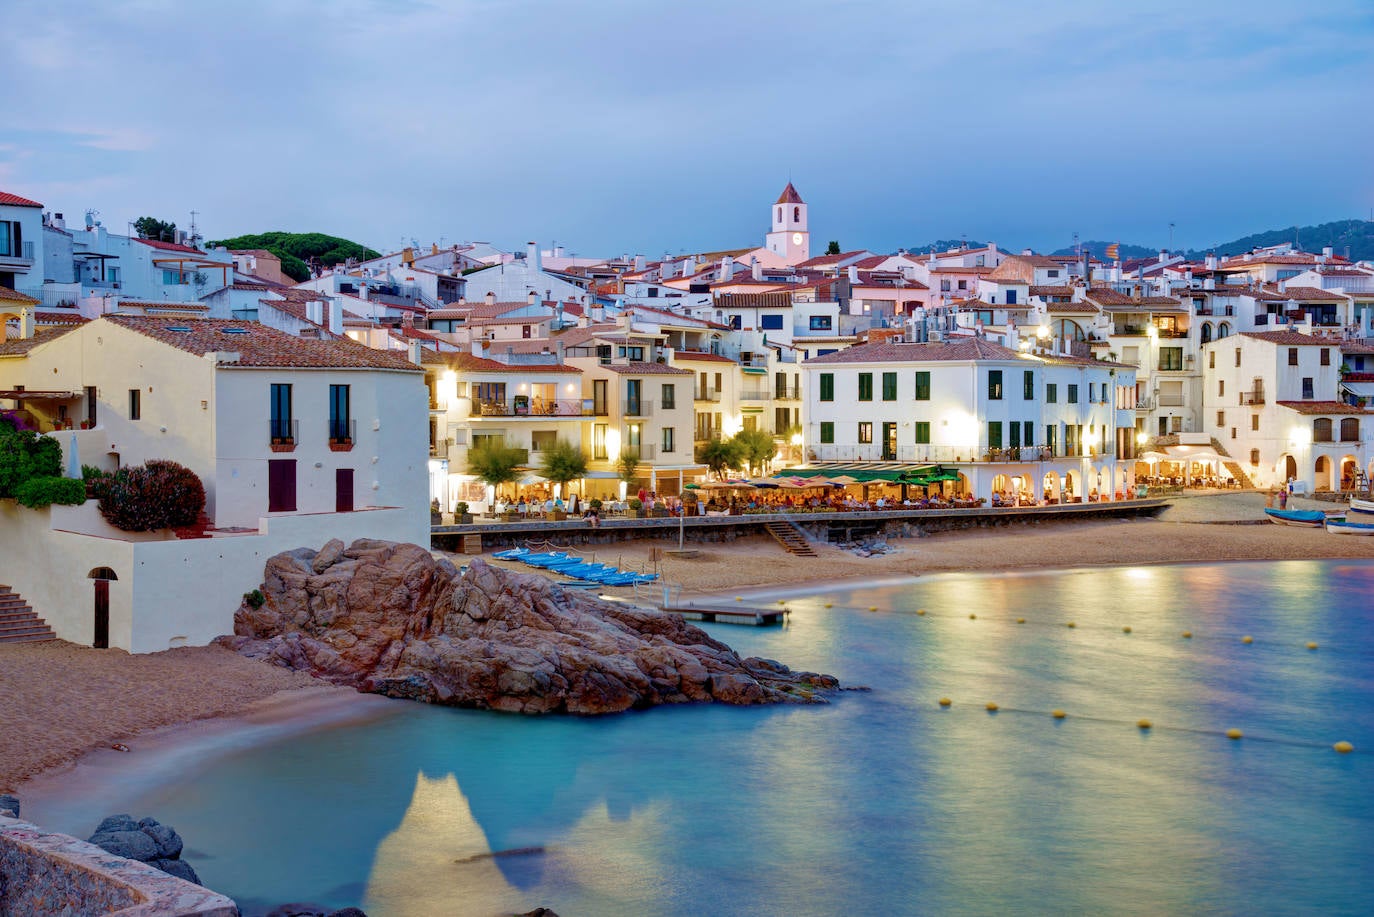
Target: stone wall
43,874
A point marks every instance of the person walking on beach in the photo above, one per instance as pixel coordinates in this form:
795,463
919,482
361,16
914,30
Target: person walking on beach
1283,499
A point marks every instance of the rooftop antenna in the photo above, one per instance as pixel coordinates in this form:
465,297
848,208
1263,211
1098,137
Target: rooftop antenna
195,234
1171,238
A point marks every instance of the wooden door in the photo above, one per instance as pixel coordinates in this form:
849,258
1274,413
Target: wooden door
343,490
102,615
281,485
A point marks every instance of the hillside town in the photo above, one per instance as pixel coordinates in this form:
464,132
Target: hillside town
351,404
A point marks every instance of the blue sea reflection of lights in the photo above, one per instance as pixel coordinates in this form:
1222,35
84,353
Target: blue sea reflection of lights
881,802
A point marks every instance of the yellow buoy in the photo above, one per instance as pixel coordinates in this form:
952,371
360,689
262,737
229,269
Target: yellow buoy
829,604
1187,635
738,599
1234,734
872,607
782,601
945,702
1247,639
973,617
920,611
992,707
1344,748
1143,724
1126,629
1058,714
1071,624
1311,646
1020,620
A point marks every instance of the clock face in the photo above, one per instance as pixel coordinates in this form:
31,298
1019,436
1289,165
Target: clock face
796,238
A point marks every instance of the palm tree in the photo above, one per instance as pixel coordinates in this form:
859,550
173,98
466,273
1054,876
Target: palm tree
495,463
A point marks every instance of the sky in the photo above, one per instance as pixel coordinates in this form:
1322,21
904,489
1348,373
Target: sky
634,126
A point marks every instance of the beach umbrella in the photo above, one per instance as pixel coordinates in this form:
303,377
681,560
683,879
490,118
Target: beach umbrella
692,487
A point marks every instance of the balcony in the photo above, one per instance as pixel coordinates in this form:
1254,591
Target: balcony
708,394
343,433
1216,310
637,407
529,407
1252,397
283,434
758,394
787,393
17,260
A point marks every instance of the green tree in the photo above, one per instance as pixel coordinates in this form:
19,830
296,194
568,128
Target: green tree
24,455
563,462
754,448
153,228
718,455
296,249
833,248
627,466
495,463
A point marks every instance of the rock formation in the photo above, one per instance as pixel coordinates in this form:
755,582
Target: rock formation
389,619
145,840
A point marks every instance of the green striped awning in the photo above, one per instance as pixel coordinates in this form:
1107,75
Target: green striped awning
871,472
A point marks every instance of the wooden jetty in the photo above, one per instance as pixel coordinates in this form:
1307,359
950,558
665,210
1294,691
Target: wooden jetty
729,614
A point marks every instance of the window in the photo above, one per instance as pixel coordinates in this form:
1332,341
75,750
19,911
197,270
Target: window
944,286
1221,418
1237,356
1091,399
1212,360
922,385
736,322
1233,432
1051,393
827,431
1307,388
889,386
963,284
281,413
1011,297
1028,385
827,387
922,432
173,277
1221,388
770,322
796,214
633,403
340,429
135,404
994,434
599,441
1254,421
1350,430
669,396
634,436
1170,358
865,386
8,237
994,385
1254,456
1014,435
865,431
1326,356
1052,437
1073,394
667,439
524,331
1292,356
820,323
1052,273
1321,430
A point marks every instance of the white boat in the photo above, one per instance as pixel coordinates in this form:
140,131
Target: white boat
1362,506
1346,527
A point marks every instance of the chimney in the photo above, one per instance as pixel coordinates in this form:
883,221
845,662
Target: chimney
639,262
476,347
755,269
532,298
1327,251
853,275
532,259
314,311
1211,261
490,298
558,251
1283,286
1209,284
1163,256
417,353
335,316
364,292
25,324
434,248
561,350
727,267
58,222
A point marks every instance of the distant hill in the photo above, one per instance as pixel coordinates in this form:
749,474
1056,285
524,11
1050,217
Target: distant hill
1099,250
944,245
1357,235
295,249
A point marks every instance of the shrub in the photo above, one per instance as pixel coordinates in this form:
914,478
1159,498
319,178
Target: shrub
156,495
460,508
595,504
25,455
635,504
96,481
254,599
36,493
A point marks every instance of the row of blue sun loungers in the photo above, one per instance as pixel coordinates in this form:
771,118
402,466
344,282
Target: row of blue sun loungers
575,567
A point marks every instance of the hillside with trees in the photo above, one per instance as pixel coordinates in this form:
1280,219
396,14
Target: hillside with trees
297,249
1355,235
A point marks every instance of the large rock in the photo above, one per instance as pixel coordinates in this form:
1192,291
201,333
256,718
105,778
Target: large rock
147,840
389,619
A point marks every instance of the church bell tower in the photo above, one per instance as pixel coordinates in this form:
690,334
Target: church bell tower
790,239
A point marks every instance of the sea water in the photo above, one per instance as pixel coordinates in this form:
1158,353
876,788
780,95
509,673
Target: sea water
882,802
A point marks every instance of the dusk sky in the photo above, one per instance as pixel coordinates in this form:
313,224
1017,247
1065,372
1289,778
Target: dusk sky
647,127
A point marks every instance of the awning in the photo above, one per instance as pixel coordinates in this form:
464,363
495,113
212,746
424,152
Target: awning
890,474
27,395
1359,389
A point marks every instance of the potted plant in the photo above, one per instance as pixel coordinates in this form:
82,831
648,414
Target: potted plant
595,504
461,514
436,517
632,507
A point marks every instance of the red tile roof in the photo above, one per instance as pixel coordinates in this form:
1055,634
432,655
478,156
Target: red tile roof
66,317
18,348
826,260
471,363
888,352
14,200
1307,294
1288,337
259,345
1323,407
1051,291
165,304
789,196
647,369
14,296
170,246
696,356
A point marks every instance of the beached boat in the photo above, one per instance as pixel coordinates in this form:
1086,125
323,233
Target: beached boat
1362,506
1346,527
1310,518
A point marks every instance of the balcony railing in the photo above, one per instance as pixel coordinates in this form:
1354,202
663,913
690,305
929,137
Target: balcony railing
637,407
949,454
759,394
1253,397
1145,404
709,394
283,433
533,407
787,393
343,432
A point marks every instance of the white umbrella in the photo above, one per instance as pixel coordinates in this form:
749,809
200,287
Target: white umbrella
73,460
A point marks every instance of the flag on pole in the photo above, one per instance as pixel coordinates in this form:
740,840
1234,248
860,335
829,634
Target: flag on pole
1113,251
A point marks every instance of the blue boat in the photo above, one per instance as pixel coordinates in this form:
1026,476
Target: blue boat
1308,518
1346,527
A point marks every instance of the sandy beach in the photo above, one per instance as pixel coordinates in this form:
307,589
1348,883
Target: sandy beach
62,700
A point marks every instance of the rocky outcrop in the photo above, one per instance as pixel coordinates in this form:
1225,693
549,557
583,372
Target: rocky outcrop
147,841
390,619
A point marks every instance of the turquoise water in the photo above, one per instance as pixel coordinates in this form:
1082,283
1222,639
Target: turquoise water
881,802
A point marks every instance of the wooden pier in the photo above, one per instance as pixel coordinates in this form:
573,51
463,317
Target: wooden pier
726,614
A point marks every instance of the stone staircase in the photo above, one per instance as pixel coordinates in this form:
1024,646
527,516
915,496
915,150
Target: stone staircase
1232,465
792,539
18,622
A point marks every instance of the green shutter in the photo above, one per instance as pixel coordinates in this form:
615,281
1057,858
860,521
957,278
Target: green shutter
889,386
922,385
865,386
827,386
922,432
827,431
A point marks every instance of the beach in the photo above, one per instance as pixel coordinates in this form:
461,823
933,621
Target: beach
63,700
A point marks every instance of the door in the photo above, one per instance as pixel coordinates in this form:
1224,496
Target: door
889,442
599,397
281,485
102,615
343,490
632,403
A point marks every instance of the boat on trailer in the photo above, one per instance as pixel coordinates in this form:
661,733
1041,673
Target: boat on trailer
1346,527
1307,518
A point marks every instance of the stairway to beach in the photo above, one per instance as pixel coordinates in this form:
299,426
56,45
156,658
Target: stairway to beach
791,538
1232,465
18,622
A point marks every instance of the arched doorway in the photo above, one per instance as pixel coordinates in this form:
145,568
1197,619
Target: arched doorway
1051,487
101,634
1350,470
1322,472
1073,485
1206,332
1288,469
